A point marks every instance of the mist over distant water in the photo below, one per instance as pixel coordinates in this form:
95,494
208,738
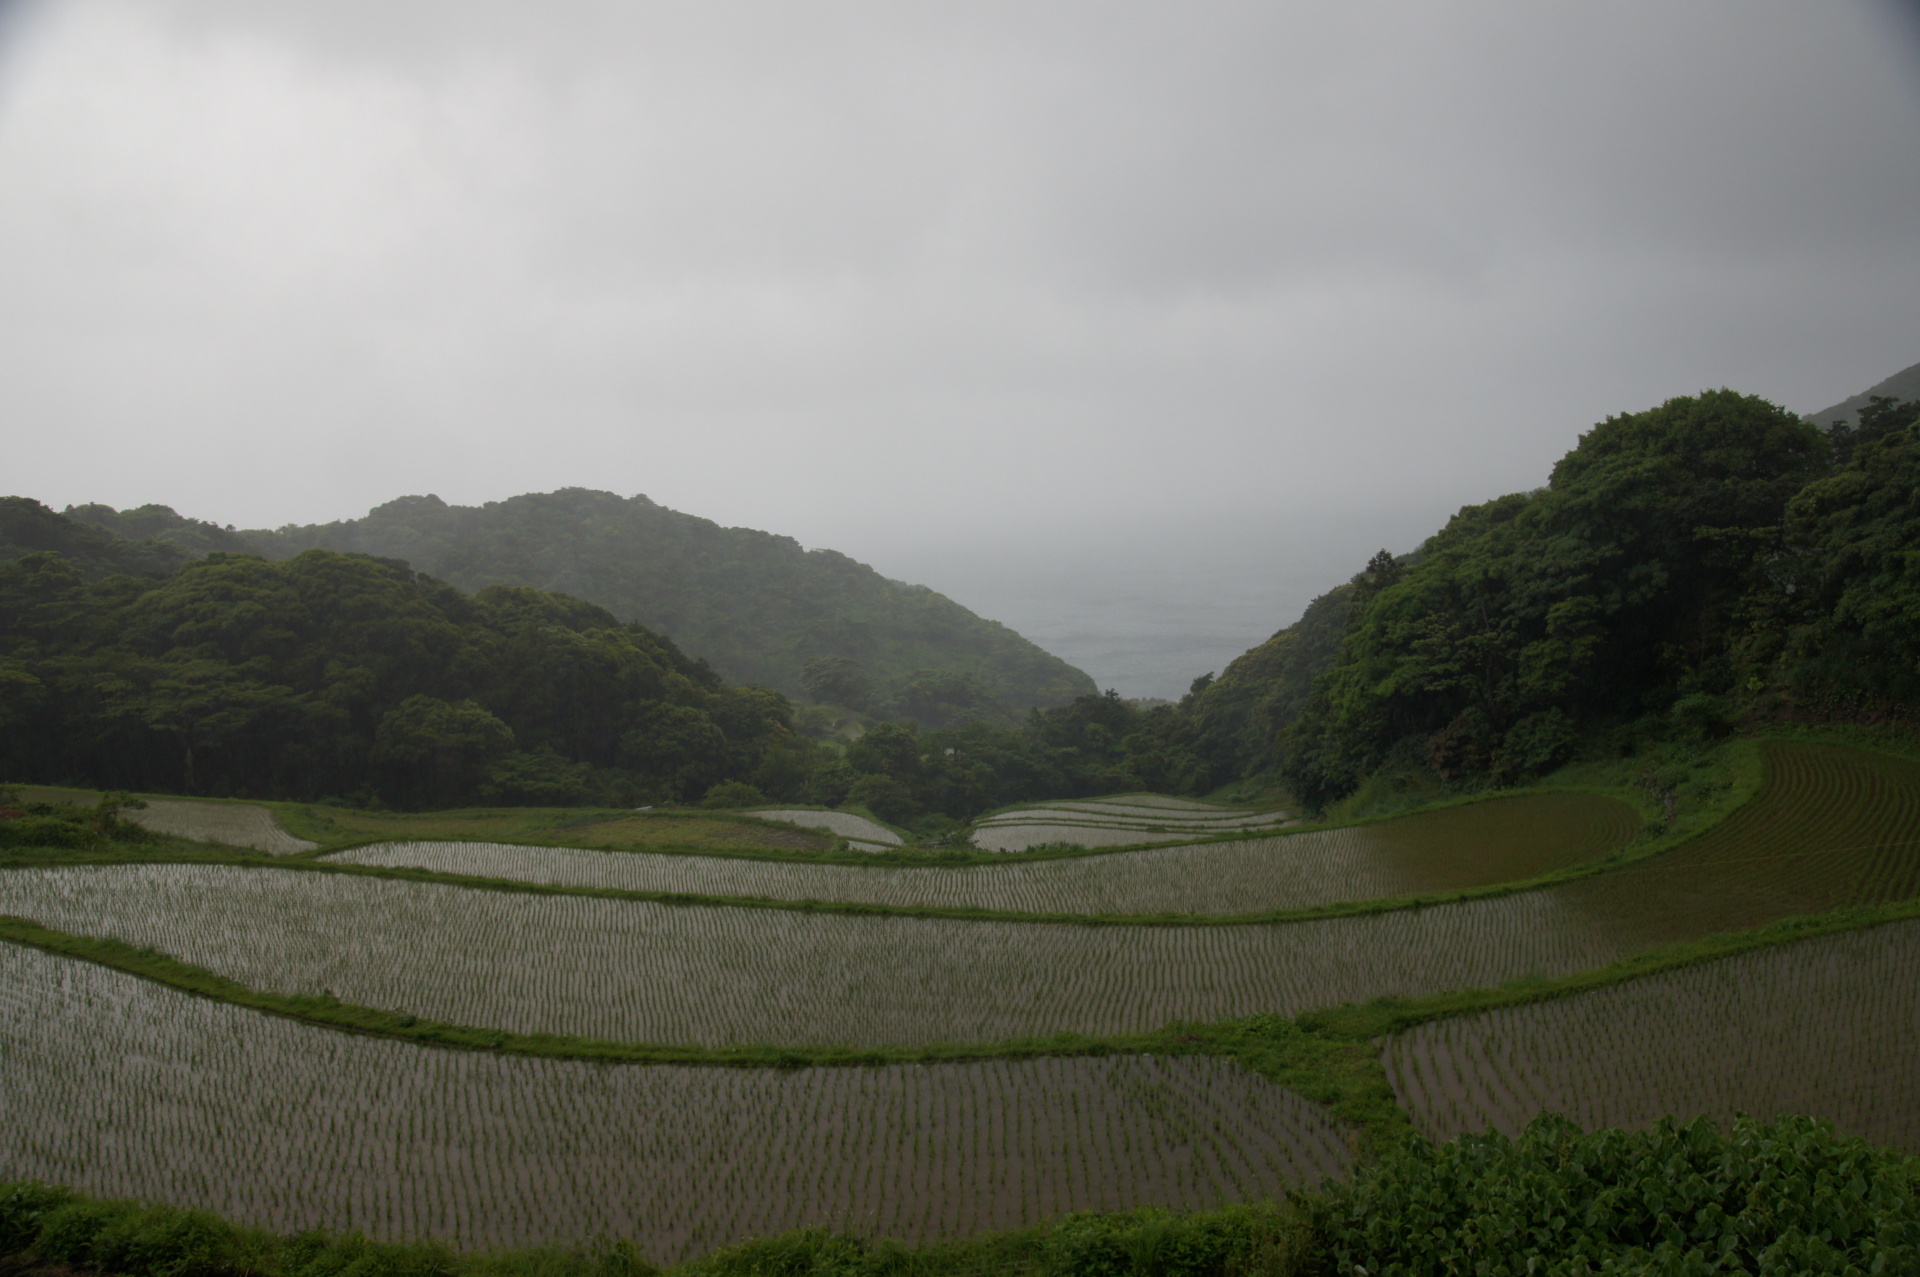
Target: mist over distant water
1142,645
1149,606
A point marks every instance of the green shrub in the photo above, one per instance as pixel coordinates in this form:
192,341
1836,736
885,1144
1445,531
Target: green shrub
164,1242
23,1207
1702,717
1785,1199
733,793
885,797
65,825
1241,1241
44,831
1156,1243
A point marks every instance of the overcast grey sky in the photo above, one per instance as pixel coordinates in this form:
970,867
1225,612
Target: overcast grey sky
1132,325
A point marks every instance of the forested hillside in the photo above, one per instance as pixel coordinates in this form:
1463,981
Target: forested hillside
343,675
129,664
1710,562
756,605
1713,564
194,538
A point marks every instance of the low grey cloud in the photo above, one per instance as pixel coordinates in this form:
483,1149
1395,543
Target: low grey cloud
1062,302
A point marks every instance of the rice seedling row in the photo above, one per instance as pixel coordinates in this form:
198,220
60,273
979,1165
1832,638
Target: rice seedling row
642,972
1159,802
1138,817
235,824
1032,827
119,1087
1834,827
1435,851
1827,1027
844,823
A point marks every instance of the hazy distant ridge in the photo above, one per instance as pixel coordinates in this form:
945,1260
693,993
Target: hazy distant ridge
1904,385
754,604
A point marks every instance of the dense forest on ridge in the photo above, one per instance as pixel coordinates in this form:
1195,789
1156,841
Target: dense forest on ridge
345,675
757,606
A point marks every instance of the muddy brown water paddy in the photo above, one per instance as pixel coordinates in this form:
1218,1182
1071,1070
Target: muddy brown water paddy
1834,827
123,1088
1473,845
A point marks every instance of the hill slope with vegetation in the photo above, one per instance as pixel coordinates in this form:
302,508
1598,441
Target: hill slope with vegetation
344,675
1712,565
758,606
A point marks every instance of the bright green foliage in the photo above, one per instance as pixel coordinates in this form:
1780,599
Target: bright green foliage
1680,1199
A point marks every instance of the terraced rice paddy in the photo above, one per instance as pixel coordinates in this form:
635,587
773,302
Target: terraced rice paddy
1479,843
235,824
862,833
120,1087
1827,1027
1834,827
635,971
1116,822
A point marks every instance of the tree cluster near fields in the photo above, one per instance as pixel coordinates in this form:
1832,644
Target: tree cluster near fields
344,675
1711,562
